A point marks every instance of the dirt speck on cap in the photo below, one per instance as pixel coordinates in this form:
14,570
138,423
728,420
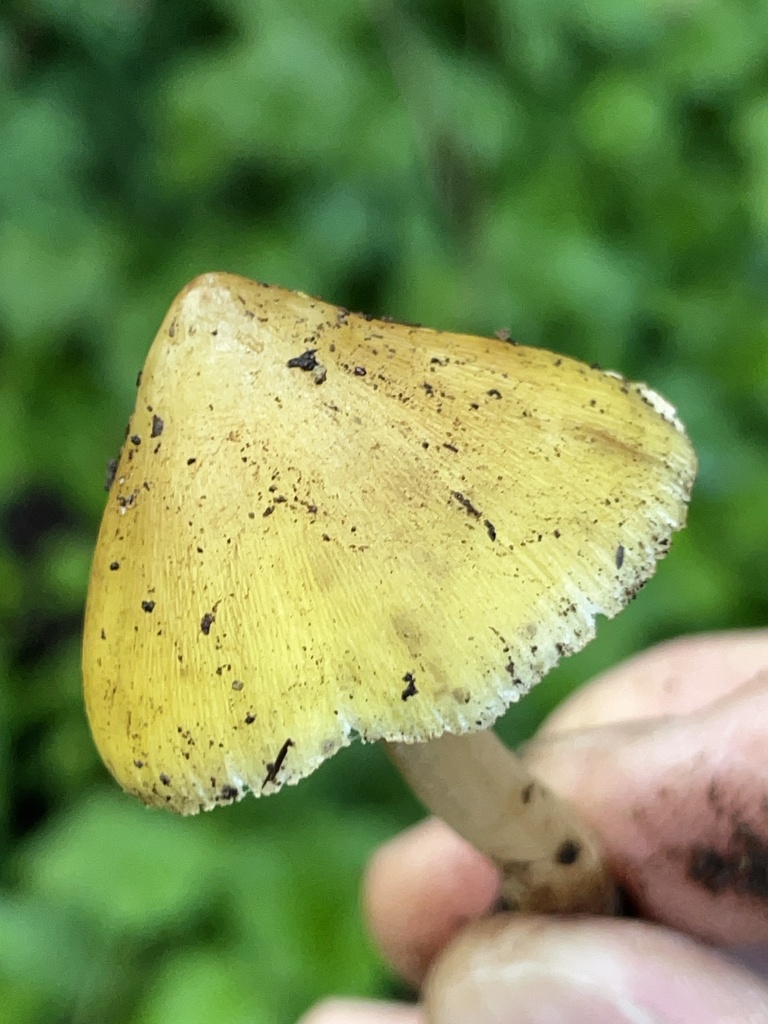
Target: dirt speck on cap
466,504
410,689
306,361
274,766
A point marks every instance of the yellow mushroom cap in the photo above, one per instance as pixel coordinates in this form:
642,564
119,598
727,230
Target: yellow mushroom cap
323,525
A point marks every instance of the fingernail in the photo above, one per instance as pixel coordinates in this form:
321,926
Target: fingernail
525,994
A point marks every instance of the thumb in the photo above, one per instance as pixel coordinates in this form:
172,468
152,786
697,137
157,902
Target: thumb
554,971
681,806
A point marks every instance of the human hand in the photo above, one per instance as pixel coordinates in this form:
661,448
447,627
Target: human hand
666,757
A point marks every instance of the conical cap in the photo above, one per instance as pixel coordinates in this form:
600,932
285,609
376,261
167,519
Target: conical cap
323,525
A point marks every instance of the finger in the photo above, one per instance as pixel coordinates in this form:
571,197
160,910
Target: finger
420,889
423,886
682,809
674,678
606,971
361,1011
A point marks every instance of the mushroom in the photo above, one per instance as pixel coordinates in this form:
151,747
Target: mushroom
324,526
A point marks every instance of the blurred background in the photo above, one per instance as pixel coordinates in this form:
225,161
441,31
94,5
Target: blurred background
591,175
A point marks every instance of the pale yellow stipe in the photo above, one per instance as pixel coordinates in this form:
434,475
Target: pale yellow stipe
395,543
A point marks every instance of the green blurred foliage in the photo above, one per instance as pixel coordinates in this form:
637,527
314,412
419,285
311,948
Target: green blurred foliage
591,175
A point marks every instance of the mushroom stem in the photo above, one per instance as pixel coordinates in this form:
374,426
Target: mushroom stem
549,860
